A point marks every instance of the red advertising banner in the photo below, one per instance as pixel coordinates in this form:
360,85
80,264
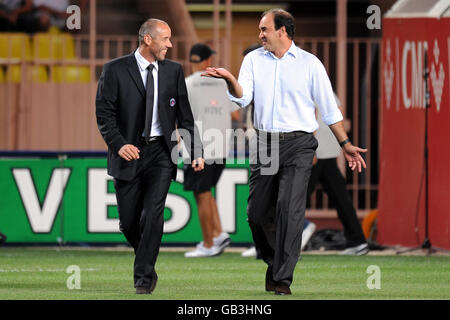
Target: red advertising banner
401,201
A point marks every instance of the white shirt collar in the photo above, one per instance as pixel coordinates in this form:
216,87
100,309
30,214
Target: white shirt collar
292,51
142,62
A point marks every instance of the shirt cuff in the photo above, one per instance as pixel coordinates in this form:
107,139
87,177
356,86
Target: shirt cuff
238,101
332,118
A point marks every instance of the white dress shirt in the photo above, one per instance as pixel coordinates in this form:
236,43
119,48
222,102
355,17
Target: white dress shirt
328,146
143,64
286,90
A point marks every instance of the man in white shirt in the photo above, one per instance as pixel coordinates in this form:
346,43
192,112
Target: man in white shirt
286,83
211,109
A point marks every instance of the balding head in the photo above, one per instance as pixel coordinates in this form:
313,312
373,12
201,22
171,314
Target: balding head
150,27
154,39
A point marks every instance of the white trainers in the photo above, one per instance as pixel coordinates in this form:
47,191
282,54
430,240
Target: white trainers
222,241
360,250
201,251
307,233
251,252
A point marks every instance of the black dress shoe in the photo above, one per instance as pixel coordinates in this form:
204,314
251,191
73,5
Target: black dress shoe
282,289
270,283
145,290
153,283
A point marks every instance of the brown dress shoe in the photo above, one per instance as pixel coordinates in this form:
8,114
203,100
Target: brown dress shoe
282,289
270,283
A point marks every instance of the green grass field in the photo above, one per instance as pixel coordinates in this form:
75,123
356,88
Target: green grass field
40,273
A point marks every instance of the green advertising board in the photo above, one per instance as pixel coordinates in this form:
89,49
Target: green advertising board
72,200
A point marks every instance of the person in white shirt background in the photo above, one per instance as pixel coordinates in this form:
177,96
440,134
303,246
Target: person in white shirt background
326,171
213,112
286,83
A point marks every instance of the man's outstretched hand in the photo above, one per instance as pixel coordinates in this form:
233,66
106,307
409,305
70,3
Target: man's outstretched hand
353,156
220,73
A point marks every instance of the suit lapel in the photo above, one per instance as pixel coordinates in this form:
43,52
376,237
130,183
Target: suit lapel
133,69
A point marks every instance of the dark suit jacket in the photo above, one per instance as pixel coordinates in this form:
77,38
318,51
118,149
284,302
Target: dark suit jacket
120,110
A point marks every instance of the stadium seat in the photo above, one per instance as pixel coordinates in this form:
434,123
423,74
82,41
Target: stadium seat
3,45
65,46
15,46
71,74
54,46
37,74
54,30
2,75
13,73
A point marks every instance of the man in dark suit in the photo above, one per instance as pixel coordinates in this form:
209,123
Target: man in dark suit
141,98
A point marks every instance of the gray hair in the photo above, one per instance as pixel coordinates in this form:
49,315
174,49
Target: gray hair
149,27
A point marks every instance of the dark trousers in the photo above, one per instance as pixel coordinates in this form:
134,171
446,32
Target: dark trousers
327,173
141,208
277,203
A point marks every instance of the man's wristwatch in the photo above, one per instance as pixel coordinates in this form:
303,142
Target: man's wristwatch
342,143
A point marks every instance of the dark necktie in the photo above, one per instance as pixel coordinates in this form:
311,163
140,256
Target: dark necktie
149,96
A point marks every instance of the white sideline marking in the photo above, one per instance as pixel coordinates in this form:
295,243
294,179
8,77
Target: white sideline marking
43,270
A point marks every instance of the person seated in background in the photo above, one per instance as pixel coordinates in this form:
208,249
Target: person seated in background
12,14
47,13
33,16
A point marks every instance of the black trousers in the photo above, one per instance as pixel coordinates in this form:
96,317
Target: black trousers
327,173
277,203
141,208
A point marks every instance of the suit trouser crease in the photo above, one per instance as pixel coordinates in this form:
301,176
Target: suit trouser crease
141,205
277,203
327,172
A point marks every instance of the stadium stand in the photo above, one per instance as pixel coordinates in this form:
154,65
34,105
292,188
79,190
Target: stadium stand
15,46
55,46
71,74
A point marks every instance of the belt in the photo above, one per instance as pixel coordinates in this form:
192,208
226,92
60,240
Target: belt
151,139
283,135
